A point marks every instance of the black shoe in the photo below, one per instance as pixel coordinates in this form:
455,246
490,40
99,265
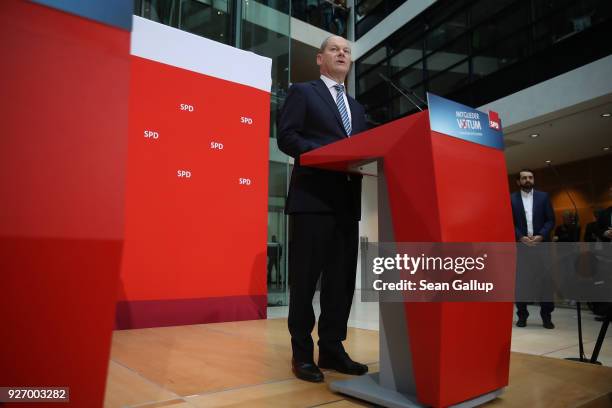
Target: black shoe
307,371
548,324
521,323
342,363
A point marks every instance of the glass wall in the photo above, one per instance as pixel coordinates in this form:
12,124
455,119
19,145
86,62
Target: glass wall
207,18
477,51
368,13
277,236
329,15
265,31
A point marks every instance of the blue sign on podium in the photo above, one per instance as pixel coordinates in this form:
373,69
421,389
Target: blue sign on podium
460,121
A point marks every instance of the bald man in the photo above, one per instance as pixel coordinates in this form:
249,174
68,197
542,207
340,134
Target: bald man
324,210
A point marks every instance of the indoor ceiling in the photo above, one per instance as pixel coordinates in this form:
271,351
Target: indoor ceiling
568,135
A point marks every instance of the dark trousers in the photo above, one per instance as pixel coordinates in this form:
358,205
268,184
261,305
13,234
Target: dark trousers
546,308
273,264
533,281
321,245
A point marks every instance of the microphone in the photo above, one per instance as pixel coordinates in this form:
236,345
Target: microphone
554,169
402,91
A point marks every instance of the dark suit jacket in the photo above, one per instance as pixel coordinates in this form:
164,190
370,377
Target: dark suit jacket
591,233
543,215
310,119
603,222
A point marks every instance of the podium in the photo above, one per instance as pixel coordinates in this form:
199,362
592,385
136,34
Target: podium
441,178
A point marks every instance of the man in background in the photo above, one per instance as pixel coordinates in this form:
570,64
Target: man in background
569,231
605,222
274,252
534,219
591,232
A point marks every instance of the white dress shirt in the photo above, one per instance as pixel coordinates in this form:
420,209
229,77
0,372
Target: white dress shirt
330,85
528,205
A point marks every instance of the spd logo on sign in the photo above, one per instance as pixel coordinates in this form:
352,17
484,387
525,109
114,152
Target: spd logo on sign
494,122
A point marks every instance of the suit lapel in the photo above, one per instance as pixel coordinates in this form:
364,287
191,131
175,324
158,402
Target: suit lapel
536,196
523,215
324,93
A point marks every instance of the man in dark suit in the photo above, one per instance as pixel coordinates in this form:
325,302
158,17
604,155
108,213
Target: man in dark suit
569,231
274,252
605,222
534,219
324,208
591,233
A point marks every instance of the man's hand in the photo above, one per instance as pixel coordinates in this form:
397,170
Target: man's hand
528,241
608,233
532,241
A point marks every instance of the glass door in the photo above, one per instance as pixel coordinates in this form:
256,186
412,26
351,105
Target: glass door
277,236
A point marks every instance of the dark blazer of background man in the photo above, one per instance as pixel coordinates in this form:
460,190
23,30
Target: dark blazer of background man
324,208
604,222
532,225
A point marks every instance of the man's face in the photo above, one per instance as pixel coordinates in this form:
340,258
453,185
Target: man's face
335,60
526,180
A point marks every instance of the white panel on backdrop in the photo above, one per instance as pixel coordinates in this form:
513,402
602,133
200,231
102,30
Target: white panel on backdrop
169,45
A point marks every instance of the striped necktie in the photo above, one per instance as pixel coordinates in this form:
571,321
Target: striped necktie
342,108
